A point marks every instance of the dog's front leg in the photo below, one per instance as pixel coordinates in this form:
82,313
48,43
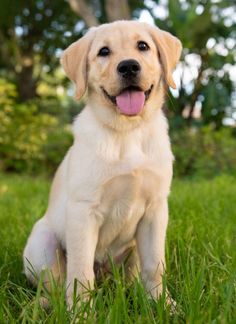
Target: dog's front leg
81,241
150,237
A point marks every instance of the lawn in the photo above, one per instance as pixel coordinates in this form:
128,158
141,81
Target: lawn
201,259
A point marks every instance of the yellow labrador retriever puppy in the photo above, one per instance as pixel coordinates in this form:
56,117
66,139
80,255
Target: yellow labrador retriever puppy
110,192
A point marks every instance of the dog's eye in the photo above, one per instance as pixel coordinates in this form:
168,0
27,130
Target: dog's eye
142,46
104,51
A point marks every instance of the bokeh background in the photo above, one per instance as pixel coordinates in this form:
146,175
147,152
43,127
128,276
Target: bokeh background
36,99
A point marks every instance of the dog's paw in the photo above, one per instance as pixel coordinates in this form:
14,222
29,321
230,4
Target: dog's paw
79,302
44,302
81,308
171,303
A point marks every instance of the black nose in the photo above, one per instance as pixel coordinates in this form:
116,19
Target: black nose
128,68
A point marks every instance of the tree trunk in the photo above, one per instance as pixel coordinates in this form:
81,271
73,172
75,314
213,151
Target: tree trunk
197,86
85,10
26,82
196,93
115,10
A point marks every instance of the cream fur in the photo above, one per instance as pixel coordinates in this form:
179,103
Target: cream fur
110,192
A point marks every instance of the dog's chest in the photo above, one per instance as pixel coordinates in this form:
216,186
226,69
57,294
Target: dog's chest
135,181
120,177
123,202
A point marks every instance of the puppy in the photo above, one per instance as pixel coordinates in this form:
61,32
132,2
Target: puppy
109,195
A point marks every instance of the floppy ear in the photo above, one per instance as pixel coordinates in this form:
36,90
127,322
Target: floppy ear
74,62
169,48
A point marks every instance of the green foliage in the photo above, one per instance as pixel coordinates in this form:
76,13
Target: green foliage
200,255
32,33
8,93
203,152
196,23
34,134
35,28
29,140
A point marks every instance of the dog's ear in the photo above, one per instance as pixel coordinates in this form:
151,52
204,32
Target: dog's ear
169,48
74,61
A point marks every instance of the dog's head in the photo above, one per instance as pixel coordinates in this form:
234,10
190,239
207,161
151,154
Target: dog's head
124,65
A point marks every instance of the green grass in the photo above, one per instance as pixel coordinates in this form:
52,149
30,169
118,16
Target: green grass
201,260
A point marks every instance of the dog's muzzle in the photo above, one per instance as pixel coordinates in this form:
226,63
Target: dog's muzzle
130,101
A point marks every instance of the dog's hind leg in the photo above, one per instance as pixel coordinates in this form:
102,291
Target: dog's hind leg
43,252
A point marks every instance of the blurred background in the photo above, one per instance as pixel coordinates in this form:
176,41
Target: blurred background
36,99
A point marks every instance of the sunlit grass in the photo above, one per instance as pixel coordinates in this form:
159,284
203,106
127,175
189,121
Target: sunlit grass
201,260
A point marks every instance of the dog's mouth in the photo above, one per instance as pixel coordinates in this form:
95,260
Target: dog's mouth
130,101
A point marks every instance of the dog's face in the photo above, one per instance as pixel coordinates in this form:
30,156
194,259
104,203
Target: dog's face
123,65
124,68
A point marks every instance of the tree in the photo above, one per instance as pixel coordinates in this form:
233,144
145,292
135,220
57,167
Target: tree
30,34
196,24
206,30
110,10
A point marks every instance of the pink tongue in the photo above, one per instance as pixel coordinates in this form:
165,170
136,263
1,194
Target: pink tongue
130,102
